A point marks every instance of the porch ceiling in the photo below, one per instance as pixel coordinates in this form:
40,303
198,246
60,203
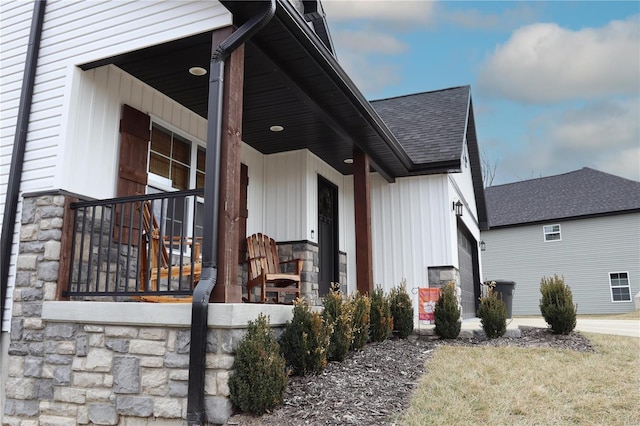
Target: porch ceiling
290,80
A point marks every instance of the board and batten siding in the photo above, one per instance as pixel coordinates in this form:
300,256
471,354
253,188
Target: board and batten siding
410,221
282,199
93,130
255,190
590,249
462,189
75,32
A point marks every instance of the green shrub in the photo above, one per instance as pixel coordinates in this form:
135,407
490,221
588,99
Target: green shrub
361,306
401,310
493,314
339,314
260,378
381,319
557,306
305,340
447,313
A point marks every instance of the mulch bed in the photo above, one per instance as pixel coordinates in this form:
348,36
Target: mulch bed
375,384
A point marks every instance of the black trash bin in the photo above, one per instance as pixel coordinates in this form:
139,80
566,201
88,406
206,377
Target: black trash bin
505,291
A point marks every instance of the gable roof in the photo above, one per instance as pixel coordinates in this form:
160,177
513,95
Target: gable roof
430,126
581,193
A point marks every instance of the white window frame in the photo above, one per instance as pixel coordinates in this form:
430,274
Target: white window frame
195,143
160,183
628,285
546,233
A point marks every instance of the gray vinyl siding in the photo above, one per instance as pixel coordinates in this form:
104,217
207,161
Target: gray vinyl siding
590,249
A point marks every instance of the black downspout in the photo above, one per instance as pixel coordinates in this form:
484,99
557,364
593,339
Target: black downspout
196,413
19,144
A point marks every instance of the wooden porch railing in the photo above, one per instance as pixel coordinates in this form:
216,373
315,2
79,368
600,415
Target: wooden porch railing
131,247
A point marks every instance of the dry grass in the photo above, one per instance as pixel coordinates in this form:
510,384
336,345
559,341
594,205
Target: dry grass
628,316
518,386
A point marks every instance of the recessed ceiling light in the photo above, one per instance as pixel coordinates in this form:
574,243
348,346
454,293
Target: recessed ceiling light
276,128
197,71
348,161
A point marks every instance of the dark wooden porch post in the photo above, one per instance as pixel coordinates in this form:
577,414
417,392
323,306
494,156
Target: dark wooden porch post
227,288
362,201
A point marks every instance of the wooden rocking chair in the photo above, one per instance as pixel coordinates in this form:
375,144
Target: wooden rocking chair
155,260
264,269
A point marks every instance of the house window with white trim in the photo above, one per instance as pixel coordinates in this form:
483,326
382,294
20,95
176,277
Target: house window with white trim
552,233
176,163
620,288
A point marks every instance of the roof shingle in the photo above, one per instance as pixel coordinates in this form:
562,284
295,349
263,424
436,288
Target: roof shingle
430,126
584,192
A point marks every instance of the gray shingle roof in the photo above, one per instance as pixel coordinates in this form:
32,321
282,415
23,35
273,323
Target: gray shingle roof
430,126
584,192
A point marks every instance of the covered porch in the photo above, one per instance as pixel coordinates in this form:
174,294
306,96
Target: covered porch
286,76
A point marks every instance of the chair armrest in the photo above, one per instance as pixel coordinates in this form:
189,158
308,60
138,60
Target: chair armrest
298,262
263,262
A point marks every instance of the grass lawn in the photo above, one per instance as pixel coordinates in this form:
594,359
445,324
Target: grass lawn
522,386
628,316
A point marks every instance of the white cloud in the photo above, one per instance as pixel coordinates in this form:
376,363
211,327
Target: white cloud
475,19
604,135
366,41
359,53
544,63
368,74
390,11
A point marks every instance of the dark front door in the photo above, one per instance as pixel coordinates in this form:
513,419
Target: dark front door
327,235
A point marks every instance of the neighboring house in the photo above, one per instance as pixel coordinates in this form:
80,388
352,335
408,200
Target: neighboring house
366,193
584,225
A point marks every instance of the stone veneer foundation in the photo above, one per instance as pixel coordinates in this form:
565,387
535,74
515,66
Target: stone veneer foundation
108,363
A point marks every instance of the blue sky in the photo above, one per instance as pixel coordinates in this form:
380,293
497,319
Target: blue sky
555,85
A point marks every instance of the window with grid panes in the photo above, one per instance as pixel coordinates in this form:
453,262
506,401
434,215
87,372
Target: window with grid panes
620,288
170,157
552,233
175,163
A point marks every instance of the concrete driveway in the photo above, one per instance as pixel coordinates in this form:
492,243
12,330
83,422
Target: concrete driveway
602,326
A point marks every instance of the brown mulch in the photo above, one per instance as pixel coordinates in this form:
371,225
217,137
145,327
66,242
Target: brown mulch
374,386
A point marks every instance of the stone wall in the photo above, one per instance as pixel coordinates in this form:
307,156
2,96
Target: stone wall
308,252
106,363
439,276
105,374
115,363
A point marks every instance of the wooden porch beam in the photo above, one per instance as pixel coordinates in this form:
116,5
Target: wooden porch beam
228,289
362,202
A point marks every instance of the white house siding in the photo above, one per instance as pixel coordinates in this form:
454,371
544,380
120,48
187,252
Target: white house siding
462,189
410,229
282,199
76,32
285,196
93,129
255,191
590,249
